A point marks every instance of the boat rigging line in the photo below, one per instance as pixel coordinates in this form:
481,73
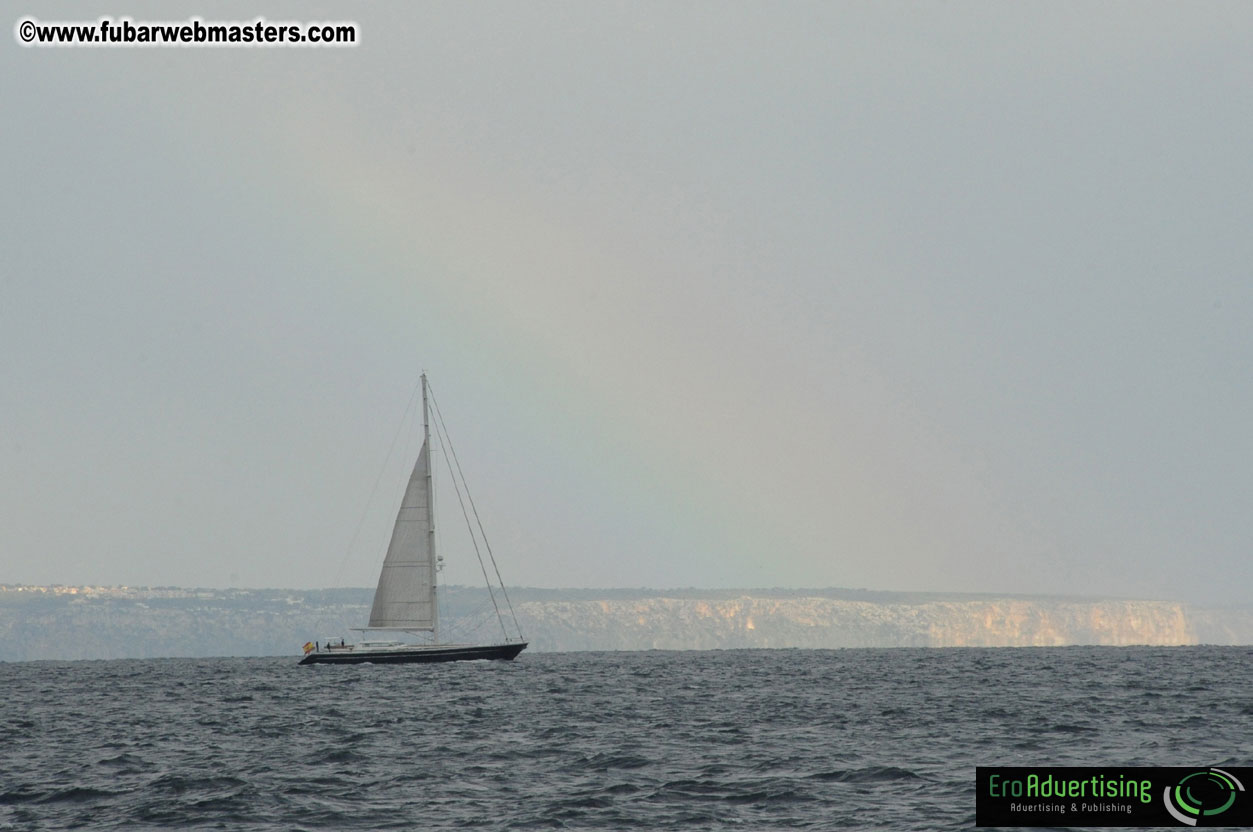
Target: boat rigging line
365,510
450,459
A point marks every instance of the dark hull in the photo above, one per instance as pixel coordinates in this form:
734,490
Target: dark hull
422,655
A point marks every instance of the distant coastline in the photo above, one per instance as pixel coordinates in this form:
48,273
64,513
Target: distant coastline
77,622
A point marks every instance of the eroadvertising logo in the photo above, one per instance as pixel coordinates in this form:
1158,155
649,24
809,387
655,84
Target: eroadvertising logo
1112,796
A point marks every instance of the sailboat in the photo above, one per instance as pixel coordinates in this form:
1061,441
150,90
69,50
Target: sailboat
406,599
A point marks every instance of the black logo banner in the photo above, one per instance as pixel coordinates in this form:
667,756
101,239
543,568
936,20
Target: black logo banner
1113,796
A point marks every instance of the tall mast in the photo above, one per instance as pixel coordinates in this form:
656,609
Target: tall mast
430,508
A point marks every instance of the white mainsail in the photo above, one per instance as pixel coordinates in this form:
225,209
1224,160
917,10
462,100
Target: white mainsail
405,598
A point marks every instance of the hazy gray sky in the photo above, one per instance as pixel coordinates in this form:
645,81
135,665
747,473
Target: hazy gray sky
932,296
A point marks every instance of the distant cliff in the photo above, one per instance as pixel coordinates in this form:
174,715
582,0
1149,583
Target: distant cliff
111,622
816,622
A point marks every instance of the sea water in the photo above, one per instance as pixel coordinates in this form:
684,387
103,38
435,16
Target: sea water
748,739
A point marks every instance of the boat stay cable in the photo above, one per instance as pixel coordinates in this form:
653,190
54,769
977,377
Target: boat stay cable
439,419
365,510
442,433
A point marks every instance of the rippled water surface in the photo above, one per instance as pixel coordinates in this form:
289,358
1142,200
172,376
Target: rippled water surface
755,739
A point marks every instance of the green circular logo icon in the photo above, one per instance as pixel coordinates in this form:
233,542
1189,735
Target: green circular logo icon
1202,795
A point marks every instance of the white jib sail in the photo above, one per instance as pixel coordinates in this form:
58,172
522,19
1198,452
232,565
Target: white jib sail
405,598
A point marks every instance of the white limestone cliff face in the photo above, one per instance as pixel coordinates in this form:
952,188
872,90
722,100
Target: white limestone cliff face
104,623
679,623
